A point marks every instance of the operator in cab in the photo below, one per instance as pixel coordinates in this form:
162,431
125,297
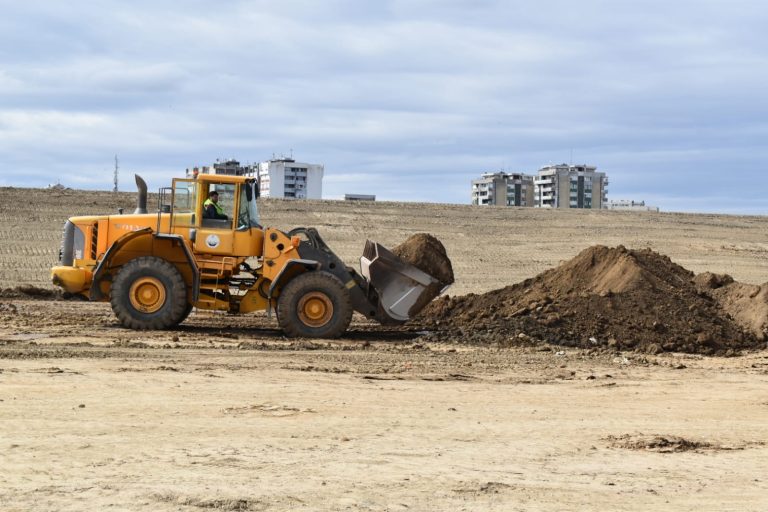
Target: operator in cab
212,209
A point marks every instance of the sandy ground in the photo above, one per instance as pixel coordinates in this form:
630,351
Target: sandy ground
226,414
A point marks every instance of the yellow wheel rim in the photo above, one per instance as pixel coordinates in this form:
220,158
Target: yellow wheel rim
315,309
147,294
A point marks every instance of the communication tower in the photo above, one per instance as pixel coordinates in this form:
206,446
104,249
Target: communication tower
114,189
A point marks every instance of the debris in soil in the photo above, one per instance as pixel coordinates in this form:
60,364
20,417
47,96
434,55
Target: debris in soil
661,444
487,488
267,409
426,253
746,303
614,298
228,504
9,307
23,292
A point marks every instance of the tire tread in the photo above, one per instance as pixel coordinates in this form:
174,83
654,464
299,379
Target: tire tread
170,314
329,284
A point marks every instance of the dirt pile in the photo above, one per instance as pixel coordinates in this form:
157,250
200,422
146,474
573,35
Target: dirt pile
426,253
613,297
746,303
30,292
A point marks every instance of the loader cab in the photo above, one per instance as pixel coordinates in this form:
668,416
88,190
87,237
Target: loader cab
239,235
226,200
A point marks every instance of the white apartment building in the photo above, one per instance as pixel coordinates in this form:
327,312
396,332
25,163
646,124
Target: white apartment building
503,189
282,177
570,186
289,179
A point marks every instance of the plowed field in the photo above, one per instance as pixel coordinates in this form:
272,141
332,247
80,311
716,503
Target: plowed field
224,413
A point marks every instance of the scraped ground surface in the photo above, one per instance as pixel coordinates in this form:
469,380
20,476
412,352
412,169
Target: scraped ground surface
226,414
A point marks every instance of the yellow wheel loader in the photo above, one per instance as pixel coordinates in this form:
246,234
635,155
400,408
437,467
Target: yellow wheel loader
155,267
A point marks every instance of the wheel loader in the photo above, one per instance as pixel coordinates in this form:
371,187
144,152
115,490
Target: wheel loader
154,268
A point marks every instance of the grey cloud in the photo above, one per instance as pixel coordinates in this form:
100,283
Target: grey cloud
399,92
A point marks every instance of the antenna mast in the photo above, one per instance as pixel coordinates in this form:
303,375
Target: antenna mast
115,175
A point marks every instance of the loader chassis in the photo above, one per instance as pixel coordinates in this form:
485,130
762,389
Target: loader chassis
154,268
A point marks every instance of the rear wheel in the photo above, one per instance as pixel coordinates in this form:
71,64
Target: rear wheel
149,293
186,313
314,305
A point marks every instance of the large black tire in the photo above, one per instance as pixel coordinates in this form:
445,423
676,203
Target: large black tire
149,293
186,313
314,305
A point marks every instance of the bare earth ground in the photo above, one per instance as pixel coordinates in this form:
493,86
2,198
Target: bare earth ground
226,414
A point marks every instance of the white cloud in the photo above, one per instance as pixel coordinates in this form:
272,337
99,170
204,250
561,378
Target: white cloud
396,92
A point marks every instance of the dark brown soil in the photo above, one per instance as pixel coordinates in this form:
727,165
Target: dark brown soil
604,297
661,444
29,292
426,253
746,303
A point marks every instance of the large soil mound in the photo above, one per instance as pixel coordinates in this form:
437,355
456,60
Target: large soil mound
629,299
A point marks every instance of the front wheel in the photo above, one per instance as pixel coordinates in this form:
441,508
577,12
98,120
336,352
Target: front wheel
149,293
314,305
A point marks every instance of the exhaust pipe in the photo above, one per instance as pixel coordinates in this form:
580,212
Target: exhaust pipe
141,202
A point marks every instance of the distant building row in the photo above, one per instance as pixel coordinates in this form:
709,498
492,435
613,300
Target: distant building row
554,186
282,177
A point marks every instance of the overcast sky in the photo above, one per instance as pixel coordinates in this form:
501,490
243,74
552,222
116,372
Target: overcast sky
408,100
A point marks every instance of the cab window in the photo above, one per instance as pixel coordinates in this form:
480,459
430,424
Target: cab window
215,211
184,201
248,213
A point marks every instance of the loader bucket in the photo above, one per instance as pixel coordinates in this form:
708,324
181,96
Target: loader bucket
403,289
